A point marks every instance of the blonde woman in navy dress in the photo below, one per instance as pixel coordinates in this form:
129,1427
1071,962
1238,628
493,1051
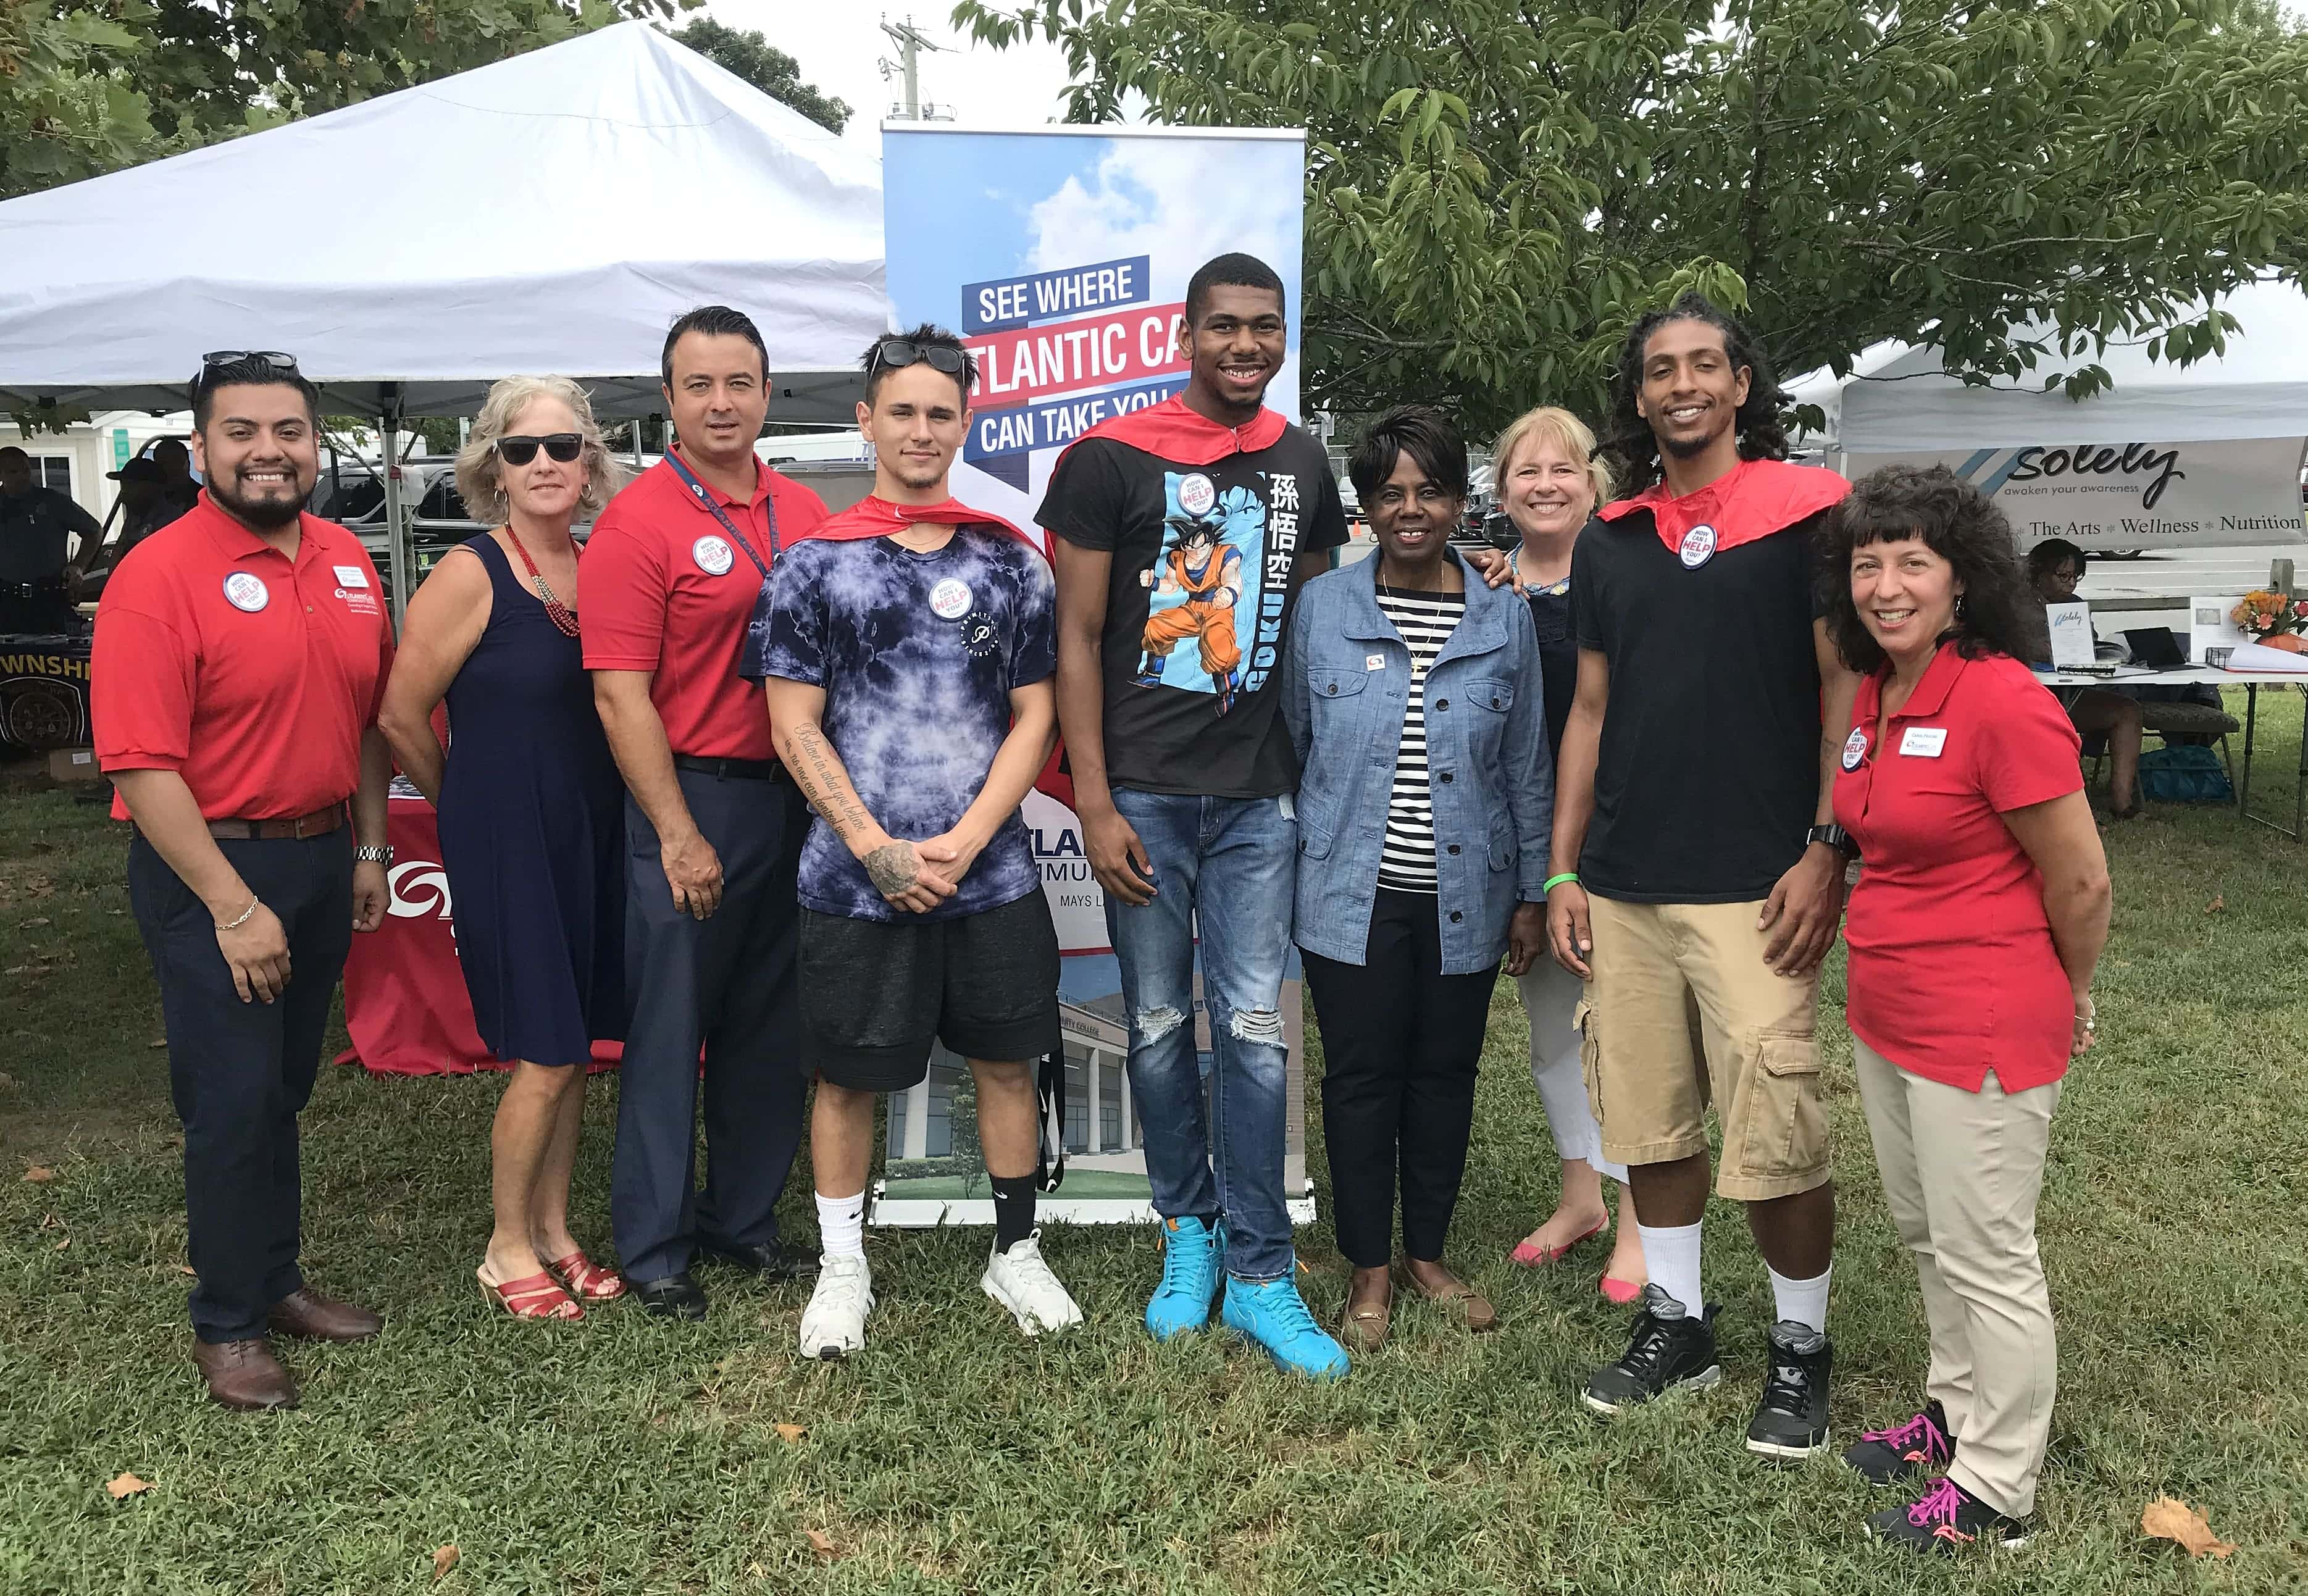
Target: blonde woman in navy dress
531,813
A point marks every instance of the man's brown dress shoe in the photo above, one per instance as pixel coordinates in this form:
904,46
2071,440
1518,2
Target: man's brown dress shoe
244,1373
308,1314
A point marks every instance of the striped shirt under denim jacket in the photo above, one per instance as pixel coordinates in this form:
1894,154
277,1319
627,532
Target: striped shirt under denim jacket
1490,770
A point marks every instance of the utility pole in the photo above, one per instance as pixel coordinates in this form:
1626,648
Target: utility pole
910,42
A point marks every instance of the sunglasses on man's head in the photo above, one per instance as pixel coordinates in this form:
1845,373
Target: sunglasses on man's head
217,359
563,446
899,352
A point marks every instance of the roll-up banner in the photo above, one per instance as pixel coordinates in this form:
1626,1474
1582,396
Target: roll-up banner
1061,256
2111,497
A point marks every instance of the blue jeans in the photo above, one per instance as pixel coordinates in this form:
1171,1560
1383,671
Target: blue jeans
1234,860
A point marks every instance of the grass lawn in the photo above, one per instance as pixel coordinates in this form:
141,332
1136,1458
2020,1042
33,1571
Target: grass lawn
630,1456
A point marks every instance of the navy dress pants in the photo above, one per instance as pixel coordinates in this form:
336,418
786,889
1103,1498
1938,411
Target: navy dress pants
725,987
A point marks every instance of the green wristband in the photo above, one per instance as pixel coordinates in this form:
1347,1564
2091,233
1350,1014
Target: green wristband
1555,881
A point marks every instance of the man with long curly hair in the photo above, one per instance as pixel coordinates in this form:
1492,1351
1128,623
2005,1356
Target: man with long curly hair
1697,879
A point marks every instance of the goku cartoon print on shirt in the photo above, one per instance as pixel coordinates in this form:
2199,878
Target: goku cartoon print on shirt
1205,586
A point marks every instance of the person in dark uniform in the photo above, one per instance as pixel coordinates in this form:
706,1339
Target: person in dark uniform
713,825
37,527
239,656
145,507
532,814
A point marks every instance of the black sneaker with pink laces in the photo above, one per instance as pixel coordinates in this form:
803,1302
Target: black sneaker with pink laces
1949,1519
1924,1446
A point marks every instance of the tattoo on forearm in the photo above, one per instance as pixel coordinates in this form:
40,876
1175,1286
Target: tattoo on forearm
822,787
892,867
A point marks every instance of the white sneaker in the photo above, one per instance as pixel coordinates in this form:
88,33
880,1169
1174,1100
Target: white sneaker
1020,1281
834,1322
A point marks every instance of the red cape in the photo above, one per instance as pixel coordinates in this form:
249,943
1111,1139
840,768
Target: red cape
1183,437
1752,500
876,517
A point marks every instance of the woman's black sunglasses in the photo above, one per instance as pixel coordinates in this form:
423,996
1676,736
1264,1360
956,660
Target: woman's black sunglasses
898,352
563,446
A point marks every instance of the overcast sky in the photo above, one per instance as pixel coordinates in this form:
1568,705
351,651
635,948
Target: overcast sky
838,43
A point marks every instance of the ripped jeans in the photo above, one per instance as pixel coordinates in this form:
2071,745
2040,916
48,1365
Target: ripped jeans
1235,862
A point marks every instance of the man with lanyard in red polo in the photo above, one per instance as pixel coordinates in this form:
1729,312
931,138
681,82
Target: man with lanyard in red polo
240,655
1697,877
714,827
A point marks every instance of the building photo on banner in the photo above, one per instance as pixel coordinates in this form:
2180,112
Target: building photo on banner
1061,257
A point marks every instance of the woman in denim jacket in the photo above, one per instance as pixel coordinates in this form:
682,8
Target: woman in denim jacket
1424,800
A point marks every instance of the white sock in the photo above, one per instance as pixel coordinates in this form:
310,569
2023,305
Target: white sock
841,1226
1671,1256
1802,1301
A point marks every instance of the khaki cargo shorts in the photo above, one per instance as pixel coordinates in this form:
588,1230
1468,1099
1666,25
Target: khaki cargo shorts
1683,1011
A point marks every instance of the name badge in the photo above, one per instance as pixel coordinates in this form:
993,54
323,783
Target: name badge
713,555
351,576
1374,661
1698,546
1855,749
244,591
1924,742
950,599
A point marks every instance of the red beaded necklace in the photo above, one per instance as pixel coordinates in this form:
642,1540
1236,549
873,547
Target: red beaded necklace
561,614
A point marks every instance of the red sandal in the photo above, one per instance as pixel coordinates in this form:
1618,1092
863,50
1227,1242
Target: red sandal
588,1280
537,1297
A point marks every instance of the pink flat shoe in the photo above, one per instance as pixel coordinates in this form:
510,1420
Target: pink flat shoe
1533,1258
1621,1292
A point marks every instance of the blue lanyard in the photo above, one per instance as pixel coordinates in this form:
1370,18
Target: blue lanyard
706,498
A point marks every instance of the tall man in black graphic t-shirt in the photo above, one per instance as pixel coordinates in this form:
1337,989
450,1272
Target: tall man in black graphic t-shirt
1183,533
1696,869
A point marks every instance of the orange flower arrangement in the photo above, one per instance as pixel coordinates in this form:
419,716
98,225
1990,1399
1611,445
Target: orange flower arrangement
2274,620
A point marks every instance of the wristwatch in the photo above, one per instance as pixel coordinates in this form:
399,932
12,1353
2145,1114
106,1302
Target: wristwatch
1835,837
370,853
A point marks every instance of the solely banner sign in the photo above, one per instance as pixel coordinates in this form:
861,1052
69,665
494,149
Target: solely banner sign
44,681
1062,258
2111,496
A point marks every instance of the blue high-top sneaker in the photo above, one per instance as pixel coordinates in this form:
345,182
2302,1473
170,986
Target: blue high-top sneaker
1273,1315
1193,1261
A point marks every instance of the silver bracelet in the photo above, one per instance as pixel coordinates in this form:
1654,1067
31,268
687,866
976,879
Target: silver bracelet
237,924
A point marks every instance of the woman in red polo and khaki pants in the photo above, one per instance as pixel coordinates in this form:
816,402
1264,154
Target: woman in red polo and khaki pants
1980,912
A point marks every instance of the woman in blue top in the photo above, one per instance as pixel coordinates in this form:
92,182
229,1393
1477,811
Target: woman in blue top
532,814
1425,800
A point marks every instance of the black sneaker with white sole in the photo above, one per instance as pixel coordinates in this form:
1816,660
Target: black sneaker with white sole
1949,1519
1923,1446
1790,1422
1672,1348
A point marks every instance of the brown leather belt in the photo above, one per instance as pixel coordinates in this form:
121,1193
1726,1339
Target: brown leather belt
320,823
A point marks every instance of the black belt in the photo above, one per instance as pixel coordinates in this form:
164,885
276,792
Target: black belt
743,770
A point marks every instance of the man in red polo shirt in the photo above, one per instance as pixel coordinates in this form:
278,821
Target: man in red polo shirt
240,656
714,826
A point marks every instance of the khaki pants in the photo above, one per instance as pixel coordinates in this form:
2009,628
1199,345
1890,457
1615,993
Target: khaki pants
1683,1012
1961,1171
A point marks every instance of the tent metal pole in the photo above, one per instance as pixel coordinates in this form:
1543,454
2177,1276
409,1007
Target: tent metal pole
395,534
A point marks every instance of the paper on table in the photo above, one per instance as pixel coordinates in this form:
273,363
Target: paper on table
2254,656
2211,628
2071,634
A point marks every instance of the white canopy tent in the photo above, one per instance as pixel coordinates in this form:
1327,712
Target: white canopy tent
582,197
2171,457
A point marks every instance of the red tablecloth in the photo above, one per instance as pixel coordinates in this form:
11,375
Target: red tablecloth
404,1003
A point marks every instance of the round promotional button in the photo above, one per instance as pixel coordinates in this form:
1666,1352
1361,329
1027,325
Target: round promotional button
1855,750
713,555
1196,494
246,590
950,599
1698,546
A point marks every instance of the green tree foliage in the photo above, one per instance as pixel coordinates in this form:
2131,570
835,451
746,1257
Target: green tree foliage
765,66
1496,189
86,86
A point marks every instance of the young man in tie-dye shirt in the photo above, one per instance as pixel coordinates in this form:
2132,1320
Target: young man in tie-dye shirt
908,650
